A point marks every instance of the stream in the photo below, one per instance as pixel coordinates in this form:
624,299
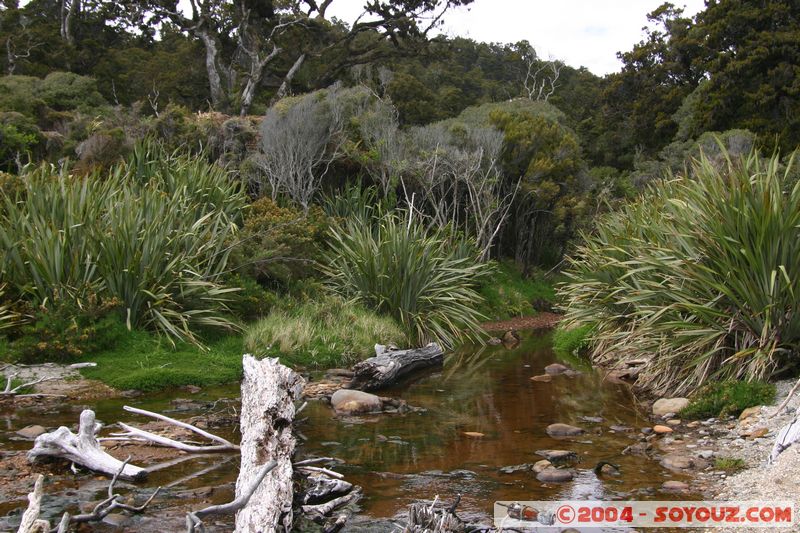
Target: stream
397,459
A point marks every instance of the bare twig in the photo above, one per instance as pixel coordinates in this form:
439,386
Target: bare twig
786,401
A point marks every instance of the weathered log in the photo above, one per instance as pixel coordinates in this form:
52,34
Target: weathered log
424,518
31,523
269,391
83,449
386,368
319,512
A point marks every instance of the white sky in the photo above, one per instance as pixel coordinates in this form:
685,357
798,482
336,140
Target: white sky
585,33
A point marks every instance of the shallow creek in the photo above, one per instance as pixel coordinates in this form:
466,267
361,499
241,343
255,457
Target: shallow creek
397,459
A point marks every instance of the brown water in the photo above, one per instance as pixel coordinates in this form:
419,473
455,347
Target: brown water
399,459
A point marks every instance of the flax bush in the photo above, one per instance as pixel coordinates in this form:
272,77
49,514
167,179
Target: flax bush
150,233
701,276
422,278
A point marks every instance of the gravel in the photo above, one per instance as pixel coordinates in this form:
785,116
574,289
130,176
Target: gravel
761,481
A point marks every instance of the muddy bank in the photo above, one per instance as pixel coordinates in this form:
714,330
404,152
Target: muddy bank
531,323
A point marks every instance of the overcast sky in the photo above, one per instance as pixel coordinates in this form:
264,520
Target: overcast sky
586,33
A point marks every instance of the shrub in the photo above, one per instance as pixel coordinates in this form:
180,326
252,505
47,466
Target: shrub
729,464
508,294
422,278
701,275
325,332
152,233
572,341
64,334
279,244
65,90
728,398
251,301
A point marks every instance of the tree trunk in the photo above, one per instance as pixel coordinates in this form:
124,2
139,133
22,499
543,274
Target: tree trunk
269,390
283,90
219,99
256,73
386,368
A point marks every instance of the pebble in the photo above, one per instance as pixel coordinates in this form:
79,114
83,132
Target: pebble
706,454
662,430
676,461
673,485
669,405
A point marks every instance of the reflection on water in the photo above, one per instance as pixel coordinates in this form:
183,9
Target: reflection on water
402,458
396,458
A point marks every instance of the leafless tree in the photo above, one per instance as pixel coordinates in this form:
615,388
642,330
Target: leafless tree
541,77
299,143
461,183
384,143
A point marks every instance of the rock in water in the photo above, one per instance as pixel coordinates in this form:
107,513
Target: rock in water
354,402
555,369
544,464
669,405
674,486
676,461
543,378
558,456
564,430
555,475
31,432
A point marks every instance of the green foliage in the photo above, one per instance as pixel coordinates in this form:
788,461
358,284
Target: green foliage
143,362
66,334
251,301
728,398
18,138
65,91
570,342
324,332
279,244
20,94
701,275
421,278
152,234
507,293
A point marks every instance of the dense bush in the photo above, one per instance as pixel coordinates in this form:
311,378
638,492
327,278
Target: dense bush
151,233
278,244
422,278
701,275
728,398
508,294
322,332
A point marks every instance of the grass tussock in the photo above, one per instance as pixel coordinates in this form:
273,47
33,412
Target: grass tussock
728,398
420,277
571,342
702,275
507,293
324,333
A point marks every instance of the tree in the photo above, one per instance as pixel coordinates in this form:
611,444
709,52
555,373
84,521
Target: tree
248,41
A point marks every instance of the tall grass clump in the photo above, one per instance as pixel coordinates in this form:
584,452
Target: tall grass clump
701,276
149,235
421,277
322,332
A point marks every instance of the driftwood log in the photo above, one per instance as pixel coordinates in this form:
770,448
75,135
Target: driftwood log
83,449
269,391
434,518
387,367
31,523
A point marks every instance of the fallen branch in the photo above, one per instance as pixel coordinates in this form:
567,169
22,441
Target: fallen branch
786,400
136,434
319,512
111,504
83,449
194,521
8,391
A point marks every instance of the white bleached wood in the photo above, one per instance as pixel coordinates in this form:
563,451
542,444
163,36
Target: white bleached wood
30,519
83,449
269,391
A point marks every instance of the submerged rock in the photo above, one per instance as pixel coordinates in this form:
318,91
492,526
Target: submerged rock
676,461
31,432
555,369
669,405
544,464
555,475
564,430
543,378
353,402
513,469
674,486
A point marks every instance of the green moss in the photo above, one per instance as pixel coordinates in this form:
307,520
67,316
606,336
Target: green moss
144,362
569,342
729,464
728,398
322,333
508,294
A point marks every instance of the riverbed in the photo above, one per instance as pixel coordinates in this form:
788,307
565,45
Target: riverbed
481,413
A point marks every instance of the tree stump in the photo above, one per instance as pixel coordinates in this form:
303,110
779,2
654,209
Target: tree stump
269,391
385,369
